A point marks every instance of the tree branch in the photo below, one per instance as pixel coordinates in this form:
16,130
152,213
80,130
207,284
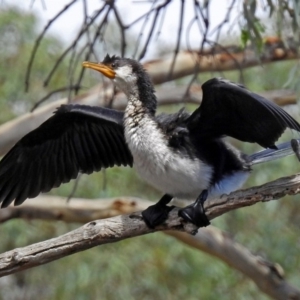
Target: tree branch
76,210
121,227
220,58
92,234
268,276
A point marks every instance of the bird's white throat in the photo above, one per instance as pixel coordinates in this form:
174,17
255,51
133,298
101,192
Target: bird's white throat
125,80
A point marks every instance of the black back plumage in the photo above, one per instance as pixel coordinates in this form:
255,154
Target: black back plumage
174,127
77,138
215,152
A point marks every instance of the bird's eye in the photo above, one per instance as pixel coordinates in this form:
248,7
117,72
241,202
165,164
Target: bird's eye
113,65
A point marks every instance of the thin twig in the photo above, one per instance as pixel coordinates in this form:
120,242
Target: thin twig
74,43
178,39
38,41
150,33
62,89
91,46
122,30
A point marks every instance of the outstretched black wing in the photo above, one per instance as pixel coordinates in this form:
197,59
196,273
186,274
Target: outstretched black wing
230,109
77,138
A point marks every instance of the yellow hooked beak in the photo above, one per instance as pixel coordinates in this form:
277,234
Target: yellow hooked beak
102,68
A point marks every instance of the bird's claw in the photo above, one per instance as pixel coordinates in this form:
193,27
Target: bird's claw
156,214
194,214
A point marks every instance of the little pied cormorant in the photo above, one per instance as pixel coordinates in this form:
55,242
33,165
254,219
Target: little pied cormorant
182,154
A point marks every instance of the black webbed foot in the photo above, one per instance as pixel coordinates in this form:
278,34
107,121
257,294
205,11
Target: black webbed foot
156,214
195,213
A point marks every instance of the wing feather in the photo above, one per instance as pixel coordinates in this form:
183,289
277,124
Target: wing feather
228,109
77,138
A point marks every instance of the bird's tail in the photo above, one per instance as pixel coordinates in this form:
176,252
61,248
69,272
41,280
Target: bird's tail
284,149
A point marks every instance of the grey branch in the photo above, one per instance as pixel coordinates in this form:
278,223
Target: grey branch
47,207
269,277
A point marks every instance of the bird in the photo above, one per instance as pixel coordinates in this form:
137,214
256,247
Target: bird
183,154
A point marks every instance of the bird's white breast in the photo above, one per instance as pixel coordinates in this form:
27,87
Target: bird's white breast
163,168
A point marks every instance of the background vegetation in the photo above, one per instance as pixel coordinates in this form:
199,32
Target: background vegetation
154,266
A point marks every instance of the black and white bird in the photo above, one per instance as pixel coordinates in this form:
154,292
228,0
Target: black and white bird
183,155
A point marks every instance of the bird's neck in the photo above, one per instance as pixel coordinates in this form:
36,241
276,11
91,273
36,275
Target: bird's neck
136,113
141,97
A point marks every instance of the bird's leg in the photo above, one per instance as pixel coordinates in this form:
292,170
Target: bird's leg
195,213
156,214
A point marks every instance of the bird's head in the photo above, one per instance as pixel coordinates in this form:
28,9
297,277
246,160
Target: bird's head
124,72
129,76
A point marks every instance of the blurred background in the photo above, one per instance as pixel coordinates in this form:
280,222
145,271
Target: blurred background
42,45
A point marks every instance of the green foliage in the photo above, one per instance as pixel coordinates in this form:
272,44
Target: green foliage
244,37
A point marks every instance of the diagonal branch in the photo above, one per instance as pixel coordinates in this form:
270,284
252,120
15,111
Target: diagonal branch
121,227
38,42
268,276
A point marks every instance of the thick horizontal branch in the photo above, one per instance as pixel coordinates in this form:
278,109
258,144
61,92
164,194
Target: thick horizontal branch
76,210
122,227
220,58
269,277
53,208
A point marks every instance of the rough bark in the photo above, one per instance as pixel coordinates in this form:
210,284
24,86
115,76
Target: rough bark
268,277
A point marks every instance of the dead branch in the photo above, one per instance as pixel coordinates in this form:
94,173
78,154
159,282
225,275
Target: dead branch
77,210
193,62
219,59
121,227
90,235
268,276
12,131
